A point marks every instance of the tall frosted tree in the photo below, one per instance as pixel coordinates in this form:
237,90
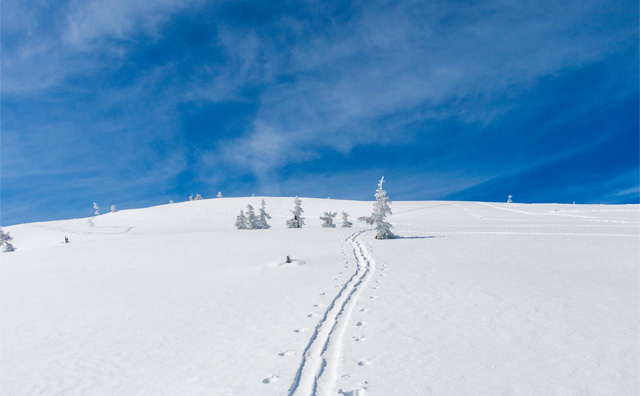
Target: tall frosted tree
241,221
509,199
96,208
327,219
298,220
219,194
345,220
5,241
263,216
113,208
381,208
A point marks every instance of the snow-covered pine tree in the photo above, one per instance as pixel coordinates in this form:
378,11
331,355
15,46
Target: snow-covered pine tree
219,194
509,199
380,210
327,219
5,239
198,197
191,197
171,201
263,216
113,208
252,220
298,220
345,220
241,221
96,208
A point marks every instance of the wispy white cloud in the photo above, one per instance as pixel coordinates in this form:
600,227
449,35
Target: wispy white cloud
337,84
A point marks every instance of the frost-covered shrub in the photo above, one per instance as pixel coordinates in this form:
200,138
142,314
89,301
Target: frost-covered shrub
113,208
345,220
327,219
509,199
96,208
219,194
5,243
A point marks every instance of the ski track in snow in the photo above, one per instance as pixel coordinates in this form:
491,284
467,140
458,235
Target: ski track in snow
318,369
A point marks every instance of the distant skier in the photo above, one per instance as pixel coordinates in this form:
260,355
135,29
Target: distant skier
66,240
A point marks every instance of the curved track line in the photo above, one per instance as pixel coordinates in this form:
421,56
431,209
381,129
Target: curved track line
320,356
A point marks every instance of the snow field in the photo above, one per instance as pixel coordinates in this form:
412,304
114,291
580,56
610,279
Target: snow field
476,298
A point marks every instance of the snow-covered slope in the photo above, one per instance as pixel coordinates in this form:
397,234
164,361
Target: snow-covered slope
474,299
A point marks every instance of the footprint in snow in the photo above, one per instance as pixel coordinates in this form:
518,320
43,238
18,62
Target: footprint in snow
372,297
363,309
311,315
323,293
360,324
299,330
288,352
318,305
364,362
270,379
359,338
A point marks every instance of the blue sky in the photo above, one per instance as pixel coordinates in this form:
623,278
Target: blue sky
135,103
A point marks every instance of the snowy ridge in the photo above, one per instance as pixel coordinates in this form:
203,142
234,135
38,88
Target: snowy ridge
322,352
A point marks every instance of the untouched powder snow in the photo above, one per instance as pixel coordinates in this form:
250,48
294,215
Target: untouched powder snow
472,299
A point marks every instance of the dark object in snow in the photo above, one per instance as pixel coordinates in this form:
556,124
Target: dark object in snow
288,259
66,240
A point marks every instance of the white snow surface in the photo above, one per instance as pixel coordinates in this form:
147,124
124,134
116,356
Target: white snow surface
473,299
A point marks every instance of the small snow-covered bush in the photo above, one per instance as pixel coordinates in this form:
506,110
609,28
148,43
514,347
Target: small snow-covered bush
96,208
327,219
5,239
345,220
113,208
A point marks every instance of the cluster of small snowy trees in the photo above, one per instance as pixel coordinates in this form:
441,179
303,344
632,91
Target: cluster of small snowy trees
197,198
5,241
381,208
251,221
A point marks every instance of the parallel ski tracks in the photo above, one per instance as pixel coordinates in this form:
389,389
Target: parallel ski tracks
317,372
